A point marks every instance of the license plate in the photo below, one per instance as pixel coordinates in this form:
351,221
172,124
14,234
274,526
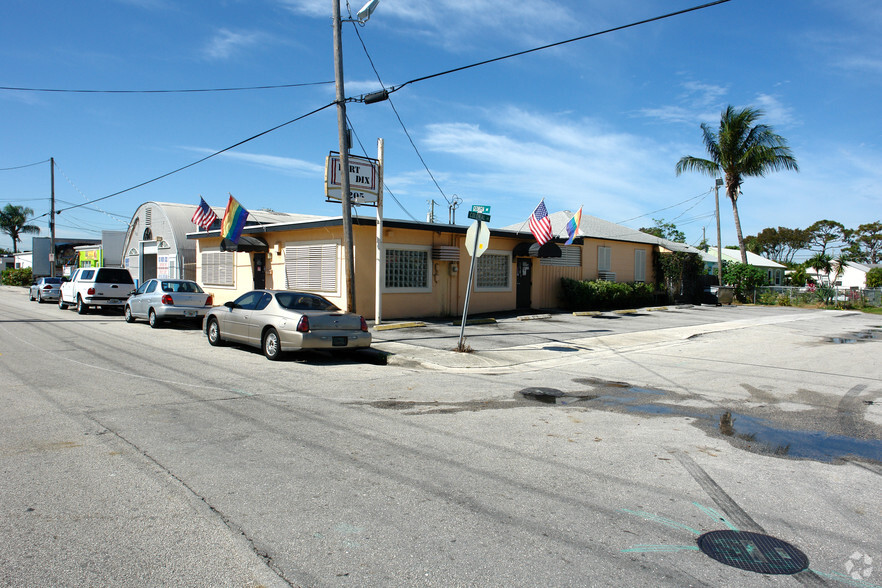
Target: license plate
189,313
339,341
113,301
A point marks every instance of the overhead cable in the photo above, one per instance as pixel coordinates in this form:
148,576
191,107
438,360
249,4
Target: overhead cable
178,91
558,44
207,157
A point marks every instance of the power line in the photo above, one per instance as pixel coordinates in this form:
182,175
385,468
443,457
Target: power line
24,166
558,44
667,207
197,162
178,91
398,116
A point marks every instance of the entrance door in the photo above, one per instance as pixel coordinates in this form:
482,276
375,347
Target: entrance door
525,282
259,271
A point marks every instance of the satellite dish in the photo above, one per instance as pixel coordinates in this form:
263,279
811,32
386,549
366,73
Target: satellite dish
365,13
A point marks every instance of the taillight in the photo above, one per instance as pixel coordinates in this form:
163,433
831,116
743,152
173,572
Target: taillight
167,299
47,287
363,324
210,300
303,325
90,291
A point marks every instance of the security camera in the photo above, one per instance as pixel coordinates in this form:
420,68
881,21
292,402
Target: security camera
365,13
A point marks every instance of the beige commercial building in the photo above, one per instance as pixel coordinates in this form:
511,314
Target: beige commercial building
423,267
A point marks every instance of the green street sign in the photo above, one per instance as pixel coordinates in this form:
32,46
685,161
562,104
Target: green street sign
479,216
480,209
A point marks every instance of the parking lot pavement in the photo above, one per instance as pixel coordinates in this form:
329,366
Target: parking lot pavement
538,339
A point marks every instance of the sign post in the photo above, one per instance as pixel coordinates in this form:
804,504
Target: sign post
477,239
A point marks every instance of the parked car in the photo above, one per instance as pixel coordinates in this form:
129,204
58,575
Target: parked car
45,289
107,287
159,300
277,321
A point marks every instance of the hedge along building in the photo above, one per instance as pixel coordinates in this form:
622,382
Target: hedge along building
424,266
156,243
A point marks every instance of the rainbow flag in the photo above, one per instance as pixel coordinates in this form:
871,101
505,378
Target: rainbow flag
573,226
234,220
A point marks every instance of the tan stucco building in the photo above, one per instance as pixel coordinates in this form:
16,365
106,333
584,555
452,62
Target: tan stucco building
423,267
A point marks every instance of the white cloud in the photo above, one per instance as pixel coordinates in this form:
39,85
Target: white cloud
287,165
226,42
775,112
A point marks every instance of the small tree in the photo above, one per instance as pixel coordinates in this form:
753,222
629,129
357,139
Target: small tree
745,278
874,278
14,222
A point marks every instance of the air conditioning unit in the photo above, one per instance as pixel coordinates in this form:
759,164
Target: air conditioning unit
606,276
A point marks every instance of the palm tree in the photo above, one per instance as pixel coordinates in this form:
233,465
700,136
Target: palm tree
820,262
14,222
740,149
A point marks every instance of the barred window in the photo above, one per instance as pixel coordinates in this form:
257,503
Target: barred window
311,267
493,272
408,269
218,268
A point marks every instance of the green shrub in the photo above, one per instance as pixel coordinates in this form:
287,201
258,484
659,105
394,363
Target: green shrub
768,297
745,278
783,300
874,278
17,277
600,295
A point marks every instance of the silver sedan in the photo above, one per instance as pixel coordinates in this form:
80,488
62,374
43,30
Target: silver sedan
282,320
159,300
45,289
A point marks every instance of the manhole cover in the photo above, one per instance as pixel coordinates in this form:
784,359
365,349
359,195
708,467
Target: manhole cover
753,552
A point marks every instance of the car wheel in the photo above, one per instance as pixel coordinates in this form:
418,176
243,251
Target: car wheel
61,303
39,298
213,333
81,307
152,319
130,318
272,347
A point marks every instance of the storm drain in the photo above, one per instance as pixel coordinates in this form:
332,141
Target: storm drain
753,552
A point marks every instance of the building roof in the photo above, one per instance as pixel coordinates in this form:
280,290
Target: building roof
734,255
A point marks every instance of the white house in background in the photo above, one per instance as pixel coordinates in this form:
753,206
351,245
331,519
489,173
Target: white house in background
854,275
773,269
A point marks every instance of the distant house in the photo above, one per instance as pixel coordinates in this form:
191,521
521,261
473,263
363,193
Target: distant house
773,269
853,275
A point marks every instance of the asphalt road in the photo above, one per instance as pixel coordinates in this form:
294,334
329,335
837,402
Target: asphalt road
563,451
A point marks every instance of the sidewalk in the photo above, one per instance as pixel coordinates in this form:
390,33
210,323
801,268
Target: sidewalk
542,340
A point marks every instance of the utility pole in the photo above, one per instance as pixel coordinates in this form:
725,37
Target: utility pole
431,216
381,262
454,204
717,185
52,219
348,255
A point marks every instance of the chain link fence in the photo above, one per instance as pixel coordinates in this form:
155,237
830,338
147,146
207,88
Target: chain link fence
795,296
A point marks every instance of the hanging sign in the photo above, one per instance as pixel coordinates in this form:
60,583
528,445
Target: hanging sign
363,179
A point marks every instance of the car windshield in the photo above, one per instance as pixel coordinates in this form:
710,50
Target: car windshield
299,301
52,280
190,287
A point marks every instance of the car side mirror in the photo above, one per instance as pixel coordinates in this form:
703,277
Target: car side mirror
229,304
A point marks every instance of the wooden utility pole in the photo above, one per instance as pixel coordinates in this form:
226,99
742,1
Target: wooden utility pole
381,263
52,219
717,185
348,254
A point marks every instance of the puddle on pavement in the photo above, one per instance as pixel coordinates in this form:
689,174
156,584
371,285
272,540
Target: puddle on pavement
859,337
747,432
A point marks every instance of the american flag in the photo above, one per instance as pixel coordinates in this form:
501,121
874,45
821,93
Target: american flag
204,215
540,224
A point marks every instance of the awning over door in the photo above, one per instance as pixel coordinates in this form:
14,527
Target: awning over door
246,243
527,249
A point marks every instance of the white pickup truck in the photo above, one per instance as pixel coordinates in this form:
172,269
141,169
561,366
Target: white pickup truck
107,287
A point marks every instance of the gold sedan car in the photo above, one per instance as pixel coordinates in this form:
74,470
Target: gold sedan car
276,321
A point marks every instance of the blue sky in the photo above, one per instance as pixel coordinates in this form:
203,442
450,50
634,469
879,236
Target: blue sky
599,122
